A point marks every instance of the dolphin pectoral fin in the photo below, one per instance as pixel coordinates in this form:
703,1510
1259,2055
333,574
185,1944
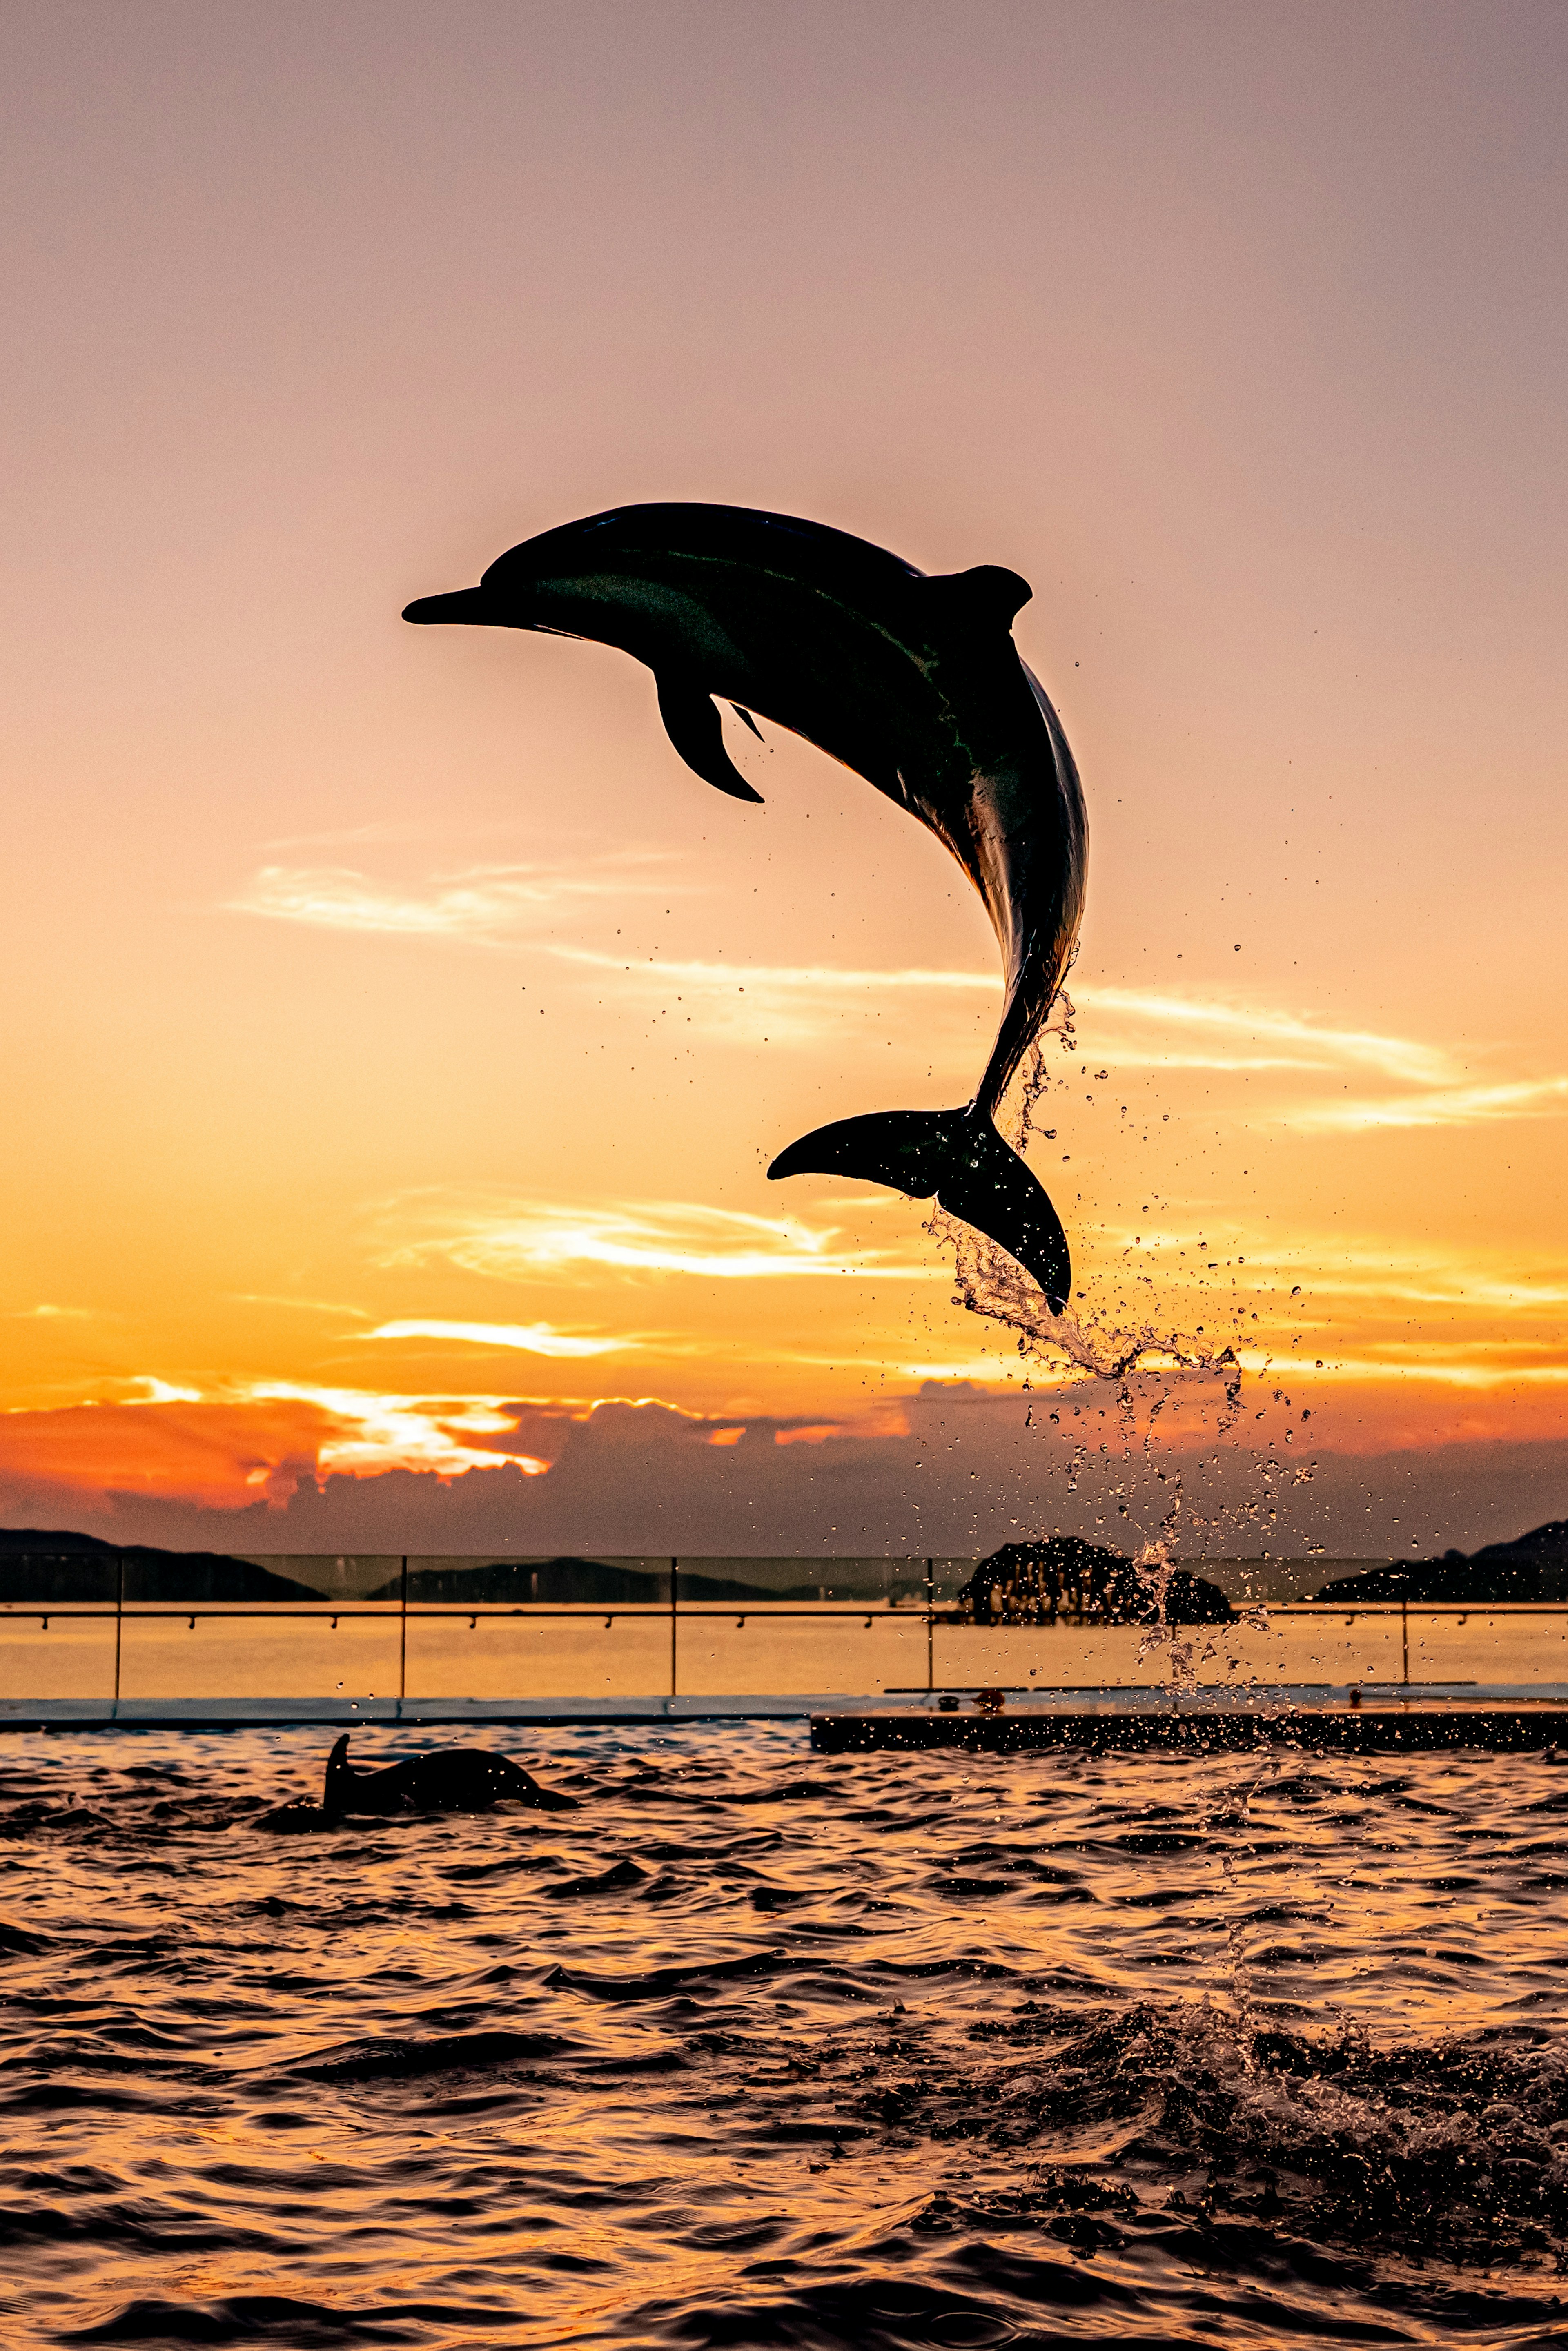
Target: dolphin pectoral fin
958,1155
693,725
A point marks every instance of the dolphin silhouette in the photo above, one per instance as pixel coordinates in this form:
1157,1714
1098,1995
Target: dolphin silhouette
915,682
458,1781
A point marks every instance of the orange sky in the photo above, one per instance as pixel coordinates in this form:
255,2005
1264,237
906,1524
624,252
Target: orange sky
399,1033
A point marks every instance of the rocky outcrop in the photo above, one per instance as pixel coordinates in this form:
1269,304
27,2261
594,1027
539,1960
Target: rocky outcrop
1041,1582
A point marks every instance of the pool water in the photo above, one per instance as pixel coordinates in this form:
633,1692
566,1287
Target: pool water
760,2047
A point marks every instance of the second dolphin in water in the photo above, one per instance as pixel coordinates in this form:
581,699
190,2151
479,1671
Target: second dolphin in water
458,1781
915,682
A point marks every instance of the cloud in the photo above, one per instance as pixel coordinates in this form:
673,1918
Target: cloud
1417,1360
1135,1027
483,905
1122,1028
506,1240
988,1368
54,1314
299,1305
1131,1027
233,1439
1164,1030
1368,1269
787,1004
778,981
370,1432
634,1478
530,1338
338,836
1442,1106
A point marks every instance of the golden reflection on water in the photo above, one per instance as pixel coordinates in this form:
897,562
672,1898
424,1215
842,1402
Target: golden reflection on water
913,2049
581,1654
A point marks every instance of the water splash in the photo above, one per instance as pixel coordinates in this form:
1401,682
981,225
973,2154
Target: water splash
1150,1366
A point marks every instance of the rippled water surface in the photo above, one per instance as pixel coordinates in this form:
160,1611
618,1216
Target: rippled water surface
758,2047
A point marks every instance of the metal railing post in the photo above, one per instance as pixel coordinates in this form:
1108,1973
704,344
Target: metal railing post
403,1634
1405,1636
119,1617
674,1580
930,1621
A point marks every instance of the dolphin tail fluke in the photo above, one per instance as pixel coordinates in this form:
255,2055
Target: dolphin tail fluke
958,1155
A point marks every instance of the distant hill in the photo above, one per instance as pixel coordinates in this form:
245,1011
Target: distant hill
55,1566
560,1581
1533,1567
574,1583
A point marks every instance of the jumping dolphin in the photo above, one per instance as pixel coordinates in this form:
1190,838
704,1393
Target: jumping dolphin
915,682
460,1781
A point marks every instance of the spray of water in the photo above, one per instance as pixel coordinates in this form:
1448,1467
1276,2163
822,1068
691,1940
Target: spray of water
1147,1367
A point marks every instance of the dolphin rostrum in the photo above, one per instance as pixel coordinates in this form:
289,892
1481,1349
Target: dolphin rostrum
915,682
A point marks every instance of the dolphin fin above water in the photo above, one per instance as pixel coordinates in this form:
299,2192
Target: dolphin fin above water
912,681
696,731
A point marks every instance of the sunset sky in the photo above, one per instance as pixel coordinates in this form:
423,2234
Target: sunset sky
399,1034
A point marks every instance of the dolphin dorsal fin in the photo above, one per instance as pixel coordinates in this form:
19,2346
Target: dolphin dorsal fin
988,594
693,725
339,1774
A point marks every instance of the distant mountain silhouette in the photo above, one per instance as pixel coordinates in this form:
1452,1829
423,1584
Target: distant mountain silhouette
583,1582
559,1581
1037,1583
1533,1567
53,1565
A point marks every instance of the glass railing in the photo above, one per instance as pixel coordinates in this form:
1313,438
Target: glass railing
98,1624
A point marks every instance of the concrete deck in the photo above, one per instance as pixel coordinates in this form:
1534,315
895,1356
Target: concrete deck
1420,1715
1386,1721
346,1714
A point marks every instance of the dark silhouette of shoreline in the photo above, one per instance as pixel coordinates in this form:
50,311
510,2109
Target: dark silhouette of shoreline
1032,1583
1532,1568
52,1564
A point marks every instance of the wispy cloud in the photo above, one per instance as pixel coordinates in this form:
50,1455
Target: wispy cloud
1159,1030
342,836
787,1004
481,905
1129,1028
1440,1106
1123,1030
1148,1027
48,1313
831,980
1363,1267
1333,1308
513,1240
298,1305
529,1338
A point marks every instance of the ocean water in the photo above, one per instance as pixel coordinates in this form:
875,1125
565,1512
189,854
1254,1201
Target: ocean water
758,2047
